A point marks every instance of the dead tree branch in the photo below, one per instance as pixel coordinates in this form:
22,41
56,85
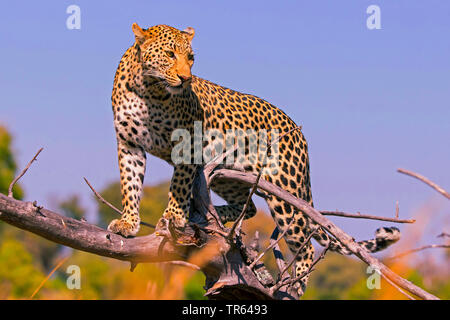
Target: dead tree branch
365,216
102,200
430,246
329,226
11,186
427,181
84,236
230,273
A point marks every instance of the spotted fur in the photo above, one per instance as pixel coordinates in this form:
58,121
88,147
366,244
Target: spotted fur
155,93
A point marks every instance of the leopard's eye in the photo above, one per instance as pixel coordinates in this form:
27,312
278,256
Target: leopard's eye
170,54
191,57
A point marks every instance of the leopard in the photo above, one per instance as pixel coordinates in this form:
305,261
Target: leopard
155,93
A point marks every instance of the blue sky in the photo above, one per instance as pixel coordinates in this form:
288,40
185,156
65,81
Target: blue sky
369,101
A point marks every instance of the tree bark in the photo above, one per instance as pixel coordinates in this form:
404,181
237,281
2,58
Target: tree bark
228,274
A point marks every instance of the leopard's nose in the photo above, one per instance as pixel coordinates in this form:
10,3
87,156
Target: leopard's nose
184,78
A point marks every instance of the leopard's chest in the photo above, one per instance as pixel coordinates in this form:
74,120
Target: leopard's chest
152,124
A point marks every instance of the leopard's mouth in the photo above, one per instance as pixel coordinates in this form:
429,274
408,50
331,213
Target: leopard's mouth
175,88
178,86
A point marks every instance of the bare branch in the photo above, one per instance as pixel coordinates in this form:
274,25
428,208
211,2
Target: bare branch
238,223
427,181
221,269
184,264
58,265
273,244
318,218
292,281
397,287
430,246
99,197
365,216
84,236
11,186
313,232
397,210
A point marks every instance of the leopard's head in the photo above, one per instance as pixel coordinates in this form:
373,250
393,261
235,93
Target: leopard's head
166,54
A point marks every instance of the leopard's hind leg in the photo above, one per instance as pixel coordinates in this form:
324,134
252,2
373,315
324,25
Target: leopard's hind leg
297,230
236,195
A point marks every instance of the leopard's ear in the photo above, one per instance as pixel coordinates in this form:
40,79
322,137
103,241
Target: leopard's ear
139,34
190,32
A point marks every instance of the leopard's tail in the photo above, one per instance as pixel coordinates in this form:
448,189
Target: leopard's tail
384,237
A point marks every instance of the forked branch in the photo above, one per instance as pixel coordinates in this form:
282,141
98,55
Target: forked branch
232,270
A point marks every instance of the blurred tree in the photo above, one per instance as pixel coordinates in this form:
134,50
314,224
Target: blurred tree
71,207
7,164
334,276
17,270
194,288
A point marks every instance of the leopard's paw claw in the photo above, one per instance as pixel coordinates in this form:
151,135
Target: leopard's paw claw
123,227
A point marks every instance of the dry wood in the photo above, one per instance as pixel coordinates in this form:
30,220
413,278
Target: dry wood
11,186
318,218
430,246
99,197
233,271
427,181
365,216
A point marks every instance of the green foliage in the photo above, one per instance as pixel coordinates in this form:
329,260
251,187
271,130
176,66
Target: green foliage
95,275
71,207
333,277
7,164
441,289
359,291
18,274
194,288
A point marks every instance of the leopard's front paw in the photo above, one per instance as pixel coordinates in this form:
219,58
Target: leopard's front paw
176,219
123,227
162,227
179,222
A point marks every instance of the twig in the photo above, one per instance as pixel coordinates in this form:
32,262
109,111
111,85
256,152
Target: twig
274,241
111,206
427,181
346,240
238,223
11,186
365,216
313,232
291,281
397,287
430,246
273,244
58,265
443,235
397,210
285,134
184,264
211,230
254,245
